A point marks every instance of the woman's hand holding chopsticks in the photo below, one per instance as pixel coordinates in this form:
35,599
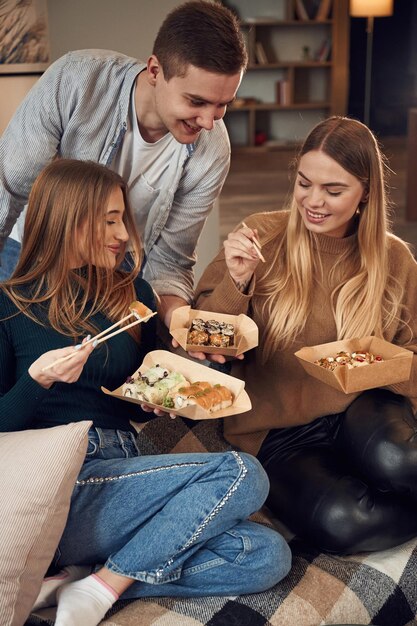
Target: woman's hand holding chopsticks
63,365
255,242
242,256
138,311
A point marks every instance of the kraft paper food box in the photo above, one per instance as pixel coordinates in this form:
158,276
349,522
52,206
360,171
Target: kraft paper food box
192,372
395,367
245,338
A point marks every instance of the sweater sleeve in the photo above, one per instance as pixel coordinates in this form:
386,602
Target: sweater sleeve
404,268
216,290
18,398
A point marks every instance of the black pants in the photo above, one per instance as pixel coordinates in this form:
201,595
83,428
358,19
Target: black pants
348,482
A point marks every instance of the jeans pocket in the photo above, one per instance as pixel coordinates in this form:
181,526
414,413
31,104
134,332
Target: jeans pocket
92,449
239,548
230,548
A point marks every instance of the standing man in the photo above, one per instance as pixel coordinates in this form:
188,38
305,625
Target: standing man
158,124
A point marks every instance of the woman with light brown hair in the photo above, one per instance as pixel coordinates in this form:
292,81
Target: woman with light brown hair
342,467
68,213
172,525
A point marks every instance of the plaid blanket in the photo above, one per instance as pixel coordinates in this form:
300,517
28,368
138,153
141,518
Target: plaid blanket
378,588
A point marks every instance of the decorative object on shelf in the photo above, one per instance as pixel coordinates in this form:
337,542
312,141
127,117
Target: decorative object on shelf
323,53
306,53
244,102
260,138
24,44
370,9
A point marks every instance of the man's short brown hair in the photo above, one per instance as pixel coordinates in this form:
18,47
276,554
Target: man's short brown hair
203,34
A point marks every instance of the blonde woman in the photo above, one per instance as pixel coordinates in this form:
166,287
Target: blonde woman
343,468
172,525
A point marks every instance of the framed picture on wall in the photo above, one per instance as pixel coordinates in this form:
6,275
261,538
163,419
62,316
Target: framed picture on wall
24,45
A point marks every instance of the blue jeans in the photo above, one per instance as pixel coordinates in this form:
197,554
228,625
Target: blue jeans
9,257
175,522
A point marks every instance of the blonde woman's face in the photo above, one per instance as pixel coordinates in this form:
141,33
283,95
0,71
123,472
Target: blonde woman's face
327,196
111,246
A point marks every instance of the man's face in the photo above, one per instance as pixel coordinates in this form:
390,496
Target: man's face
185,105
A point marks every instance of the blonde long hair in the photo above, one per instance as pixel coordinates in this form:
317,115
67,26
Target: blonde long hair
67,195
366,298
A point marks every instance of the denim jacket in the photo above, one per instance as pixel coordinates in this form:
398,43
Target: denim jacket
79,109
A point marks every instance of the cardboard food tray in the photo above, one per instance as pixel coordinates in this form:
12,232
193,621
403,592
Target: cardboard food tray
193,372
395,368
246,331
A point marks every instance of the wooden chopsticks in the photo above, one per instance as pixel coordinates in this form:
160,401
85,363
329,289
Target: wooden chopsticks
121,330
103,336
256,244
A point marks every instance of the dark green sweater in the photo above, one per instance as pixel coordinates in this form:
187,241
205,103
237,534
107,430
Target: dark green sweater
25,404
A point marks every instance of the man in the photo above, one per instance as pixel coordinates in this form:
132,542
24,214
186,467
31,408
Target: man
159,125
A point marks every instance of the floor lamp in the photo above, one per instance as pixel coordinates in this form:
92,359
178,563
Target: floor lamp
370,9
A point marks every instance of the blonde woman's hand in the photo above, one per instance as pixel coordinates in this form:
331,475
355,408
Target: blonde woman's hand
241,256
68,371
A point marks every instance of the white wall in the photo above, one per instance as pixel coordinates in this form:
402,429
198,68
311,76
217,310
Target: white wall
128,26
12,91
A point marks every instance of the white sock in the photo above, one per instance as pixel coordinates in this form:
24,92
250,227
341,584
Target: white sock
84,602
50,585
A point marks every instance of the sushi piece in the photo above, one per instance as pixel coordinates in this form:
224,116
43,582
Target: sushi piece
209,397
153,385
139,309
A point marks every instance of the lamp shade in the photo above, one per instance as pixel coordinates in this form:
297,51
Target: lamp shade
371,8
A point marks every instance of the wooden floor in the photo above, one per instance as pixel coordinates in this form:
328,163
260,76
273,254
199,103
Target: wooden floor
259,181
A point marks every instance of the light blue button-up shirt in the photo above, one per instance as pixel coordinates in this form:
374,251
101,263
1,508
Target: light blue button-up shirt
79,109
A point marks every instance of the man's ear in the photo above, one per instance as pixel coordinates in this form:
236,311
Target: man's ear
153,68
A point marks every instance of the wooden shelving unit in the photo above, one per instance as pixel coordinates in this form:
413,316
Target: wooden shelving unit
297,72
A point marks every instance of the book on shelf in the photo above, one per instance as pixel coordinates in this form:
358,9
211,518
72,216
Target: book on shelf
323,10
283,92
300,10
260,53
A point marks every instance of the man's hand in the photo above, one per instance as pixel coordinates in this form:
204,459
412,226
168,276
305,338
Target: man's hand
167,304
202,356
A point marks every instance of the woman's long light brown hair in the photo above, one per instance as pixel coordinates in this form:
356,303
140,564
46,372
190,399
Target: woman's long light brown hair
66,196
366,298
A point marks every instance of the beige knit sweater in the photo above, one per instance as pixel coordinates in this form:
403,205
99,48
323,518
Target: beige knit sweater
282,393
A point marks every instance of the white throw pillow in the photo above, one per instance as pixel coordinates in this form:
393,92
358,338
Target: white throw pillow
38,469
